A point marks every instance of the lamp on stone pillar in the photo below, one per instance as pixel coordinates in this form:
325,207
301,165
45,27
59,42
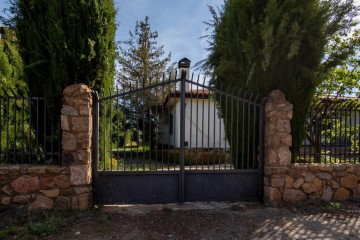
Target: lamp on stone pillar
184,65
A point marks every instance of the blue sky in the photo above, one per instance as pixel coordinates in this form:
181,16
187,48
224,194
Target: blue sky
179,23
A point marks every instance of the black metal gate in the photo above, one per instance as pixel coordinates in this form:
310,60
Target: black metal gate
167,141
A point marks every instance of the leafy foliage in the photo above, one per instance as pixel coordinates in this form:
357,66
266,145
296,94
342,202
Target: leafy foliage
333,125
339,80
142,64
265,45
141,60
344,78
11,82
11,65
65,42
341,132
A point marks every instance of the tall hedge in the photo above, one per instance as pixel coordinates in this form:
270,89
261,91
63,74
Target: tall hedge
262,45
66,42
11,65
11,80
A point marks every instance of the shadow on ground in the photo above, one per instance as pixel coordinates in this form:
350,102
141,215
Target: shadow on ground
214,220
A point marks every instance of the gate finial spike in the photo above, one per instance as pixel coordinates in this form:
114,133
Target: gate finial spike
184,66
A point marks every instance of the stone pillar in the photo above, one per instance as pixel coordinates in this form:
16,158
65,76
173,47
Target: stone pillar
76,124
278,140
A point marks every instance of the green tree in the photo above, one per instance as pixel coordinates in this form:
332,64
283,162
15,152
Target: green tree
141,64
140,59
11,82
11,65
65,42
344,78
340,80
265,45
333,121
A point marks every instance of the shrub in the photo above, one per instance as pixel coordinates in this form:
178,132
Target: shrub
192,157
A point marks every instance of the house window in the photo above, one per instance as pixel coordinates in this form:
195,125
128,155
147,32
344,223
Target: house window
171,124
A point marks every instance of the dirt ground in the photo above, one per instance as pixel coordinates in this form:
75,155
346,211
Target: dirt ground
310,220
254,221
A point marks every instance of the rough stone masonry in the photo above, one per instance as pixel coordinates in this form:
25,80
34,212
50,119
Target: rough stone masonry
66,186
69,185
288,182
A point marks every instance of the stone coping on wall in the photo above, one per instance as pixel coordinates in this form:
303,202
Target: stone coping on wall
298,182
43,186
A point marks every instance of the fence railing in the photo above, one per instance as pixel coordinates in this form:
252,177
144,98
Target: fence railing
141,127
29,131
332,131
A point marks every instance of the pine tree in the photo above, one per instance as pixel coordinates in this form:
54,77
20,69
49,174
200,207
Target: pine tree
142,64
264,45
141,60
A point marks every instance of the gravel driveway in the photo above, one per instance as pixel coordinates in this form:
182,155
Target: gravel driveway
237,221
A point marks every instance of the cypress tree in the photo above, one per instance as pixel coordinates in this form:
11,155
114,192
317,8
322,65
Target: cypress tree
264,45
66,42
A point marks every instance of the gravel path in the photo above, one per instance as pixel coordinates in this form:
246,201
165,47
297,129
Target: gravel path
310,226
239,221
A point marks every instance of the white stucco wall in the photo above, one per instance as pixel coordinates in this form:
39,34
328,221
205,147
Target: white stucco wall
203,127
164,126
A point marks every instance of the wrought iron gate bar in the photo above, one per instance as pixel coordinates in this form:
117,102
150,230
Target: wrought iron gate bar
226,93
178,140
332,131
182,137
27,134
137,90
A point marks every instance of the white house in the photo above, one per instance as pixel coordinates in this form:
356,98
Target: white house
203,126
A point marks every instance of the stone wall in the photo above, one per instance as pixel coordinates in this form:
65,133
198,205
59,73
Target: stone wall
41,187
278,140
329,182
288,182
66,186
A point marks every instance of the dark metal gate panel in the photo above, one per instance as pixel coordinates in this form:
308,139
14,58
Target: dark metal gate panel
158,144
221,186
119,187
